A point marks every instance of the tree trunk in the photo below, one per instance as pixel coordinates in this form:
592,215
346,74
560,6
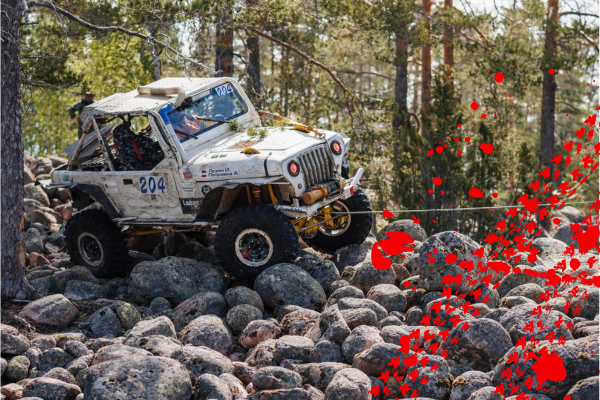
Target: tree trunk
549,90
253,85
448,45
425,102
224,47
400,94
14,284
152,30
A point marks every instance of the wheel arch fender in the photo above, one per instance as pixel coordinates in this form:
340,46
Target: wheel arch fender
82,198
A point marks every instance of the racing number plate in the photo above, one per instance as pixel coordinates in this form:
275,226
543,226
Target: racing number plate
152,184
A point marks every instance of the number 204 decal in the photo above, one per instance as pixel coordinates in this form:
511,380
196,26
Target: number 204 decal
152,184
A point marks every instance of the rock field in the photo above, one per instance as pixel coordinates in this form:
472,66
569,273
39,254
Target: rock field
324,327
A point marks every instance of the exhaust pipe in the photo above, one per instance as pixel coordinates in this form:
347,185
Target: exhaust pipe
178,90
357,177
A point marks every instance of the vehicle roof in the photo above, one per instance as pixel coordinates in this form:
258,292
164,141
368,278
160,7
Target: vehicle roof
133,102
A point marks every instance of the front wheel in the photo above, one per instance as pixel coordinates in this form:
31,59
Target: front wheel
95,242
252,238
353,229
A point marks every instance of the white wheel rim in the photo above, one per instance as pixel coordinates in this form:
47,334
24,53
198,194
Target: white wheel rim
242,243
88,244
337,232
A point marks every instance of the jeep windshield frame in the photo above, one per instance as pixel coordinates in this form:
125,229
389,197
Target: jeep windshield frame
218,105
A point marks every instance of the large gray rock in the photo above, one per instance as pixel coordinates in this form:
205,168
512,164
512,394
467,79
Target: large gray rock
284,284
80,290
174,241
269,378
105,323
17,368
407,226
205,303
258,331
585,389
211,387
319,375
41,165
326,273
367,276
519,316
531,291
296,322
243,295
326,351
209,331
33,241
467,383
293,347
55,310
349,255
158,345
261,355
486,393
361,339
547,247
389,296
373,360
175,279
513,280
329,326
157,326
12,343
240,316
345,291
202,360
196,251
349,383
51,389
113,351
62,375
31,191
127,314
350,303
481,345
359,316
138,377
235,386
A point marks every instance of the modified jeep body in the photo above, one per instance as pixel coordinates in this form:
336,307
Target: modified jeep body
201,160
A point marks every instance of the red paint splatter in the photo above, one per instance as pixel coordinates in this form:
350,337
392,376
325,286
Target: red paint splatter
459,152
551,71
483,116
437,181
476,193
387,214
450,258
587,240
499,77
549,367
486,148
430,153
474,106
439,149
467,139
495,195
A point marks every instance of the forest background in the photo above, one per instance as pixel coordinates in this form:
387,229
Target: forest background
402,78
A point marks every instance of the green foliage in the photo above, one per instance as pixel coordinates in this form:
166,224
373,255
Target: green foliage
257,132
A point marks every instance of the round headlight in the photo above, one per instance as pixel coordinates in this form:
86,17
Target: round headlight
293,168
336,147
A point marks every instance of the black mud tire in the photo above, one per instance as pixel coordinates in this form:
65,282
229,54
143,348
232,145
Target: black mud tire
96,226
265,218
357,232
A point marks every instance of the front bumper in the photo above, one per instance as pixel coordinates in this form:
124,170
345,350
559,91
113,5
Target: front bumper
313,209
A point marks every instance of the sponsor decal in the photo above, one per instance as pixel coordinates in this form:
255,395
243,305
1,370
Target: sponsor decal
187,174
66,178
205,190
111,187
188,188
220,172
190,206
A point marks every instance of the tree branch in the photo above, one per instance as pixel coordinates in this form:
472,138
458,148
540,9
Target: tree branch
581,14
35,82
348,71
111,29
303,55
564,102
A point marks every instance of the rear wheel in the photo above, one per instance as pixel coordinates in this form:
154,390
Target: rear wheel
252,238
95,242
353,229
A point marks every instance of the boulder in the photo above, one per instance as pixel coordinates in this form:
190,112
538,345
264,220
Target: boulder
486,393
242,295
105,323
349,383
240,316
35,192
209,331
113,351
158,345
146,243
329,326
414,315
211,387
138,377
579,358
33,241
467,383
269,378
513,301
28,176
12,391
235,386
288,284
51,389
407,226
432,266
80,290
345,291
12,343
359,316
62,375
196,251
573,214
319,375
326,351
76,348
326,273
243,372
296,322
371,362
127,314
585,389
282,394
258,331
293,347
55,310
159,305
586,328
361,339
497,314
350,255
389,296
61,278
548,247
202,360
205,303
174,241
176,279
17,368
389,321
261,355
56,357
367,276
518,317
480,345
41,165
532,291
352,303
157,326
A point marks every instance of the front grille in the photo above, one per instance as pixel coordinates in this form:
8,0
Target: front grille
316,165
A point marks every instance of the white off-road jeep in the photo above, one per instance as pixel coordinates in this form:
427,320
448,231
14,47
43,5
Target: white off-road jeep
201,160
